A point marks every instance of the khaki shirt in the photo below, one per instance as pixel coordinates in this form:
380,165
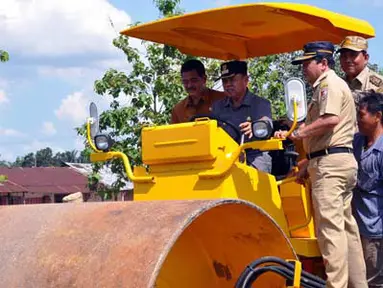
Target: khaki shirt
367,80
185,109
331,96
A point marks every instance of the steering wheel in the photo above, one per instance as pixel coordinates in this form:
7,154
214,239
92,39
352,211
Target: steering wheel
238,133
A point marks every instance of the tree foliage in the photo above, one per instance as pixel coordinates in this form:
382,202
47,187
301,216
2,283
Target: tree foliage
46,158
4,56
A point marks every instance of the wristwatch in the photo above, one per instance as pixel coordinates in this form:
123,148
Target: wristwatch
295,133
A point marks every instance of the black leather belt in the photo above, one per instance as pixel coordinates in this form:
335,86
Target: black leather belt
327,151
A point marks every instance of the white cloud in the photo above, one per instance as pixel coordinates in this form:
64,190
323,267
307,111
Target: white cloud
52,28
49,128
74,108
10,132
3,98
85,75
80,76
63,72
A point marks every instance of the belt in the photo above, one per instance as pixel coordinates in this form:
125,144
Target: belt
327,151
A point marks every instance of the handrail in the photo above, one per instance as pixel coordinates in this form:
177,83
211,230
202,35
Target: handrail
89,138
295,118
103,156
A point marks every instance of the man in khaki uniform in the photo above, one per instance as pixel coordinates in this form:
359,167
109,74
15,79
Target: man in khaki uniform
200,98
353,60
327,139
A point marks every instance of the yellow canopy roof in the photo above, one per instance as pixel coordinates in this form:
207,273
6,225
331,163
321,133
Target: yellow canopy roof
250,30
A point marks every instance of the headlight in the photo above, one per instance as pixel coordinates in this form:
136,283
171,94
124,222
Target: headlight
103,142
262,130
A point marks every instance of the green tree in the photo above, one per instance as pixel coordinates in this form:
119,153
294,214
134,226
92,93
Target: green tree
68,156
3,178
4,56
28,160
44,157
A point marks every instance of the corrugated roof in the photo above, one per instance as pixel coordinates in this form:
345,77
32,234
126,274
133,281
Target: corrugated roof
58,180
11,187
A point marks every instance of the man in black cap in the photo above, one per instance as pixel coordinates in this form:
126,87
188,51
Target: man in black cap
241,107
327,137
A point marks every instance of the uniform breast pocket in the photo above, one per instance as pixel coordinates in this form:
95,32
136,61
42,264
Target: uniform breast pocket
313,109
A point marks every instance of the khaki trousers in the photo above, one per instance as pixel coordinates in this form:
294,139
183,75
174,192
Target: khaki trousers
333,177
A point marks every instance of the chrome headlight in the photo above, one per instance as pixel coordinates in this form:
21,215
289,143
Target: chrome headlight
103,142
262,130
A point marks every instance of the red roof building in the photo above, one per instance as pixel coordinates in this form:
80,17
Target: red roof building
40,184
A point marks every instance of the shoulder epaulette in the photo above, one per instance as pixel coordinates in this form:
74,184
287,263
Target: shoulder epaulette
375,80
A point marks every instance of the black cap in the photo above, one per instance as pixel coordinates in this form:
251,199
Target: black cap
229,69
313,49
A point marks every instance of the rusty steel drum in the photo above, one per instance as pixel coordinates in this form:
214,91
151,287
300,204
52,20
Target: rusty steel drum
194,243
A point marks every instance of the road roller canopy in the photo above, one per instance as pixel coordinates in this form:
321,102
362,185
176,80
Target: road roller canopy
250,30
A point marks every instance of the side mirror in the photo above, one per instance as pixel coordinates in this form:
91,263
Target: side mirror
94,121
295,89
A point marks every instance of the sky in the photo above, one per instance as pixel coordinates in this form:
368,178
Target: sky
58,48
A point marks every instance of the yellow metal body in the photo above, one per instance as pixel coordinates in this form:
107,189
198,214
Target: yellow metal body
280,27
199,160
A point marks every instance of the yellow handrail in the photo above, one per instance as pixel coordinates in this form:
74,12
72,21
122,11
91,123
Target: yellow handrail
295,118
89,138
104,156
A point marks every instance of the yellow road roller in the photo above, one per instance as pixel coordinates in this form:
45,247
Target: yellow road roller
200,217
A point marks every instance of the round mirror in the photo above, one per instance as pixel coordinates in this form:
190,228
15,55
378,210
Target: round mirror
94,124
295,89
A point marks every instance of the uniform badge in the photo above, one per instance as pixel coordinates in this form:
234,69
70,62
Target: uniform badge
323,85
376,80
323,94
